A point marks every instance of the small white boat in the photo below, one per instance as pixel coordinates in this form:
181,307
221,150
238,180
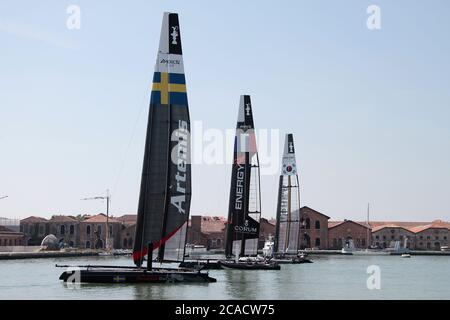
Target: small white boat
406,255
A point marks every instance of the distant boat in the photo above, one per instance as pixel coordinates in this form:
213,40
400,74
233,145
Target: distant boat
406,255
445,248
244,213
165,194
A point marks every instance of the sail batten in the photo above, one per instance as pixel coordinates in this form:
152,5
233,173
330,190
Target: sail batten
165,195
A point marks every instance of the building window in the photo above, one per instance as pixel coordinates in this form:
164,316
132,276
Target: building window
130,242
377,237
71,244
125,243
317,242
436,238
363,242
428,237
110,230
62,229
392,230
99,230
445,237
317,224
384,237
307,224
335,244
421,237
428,245
88,230
88,244
72,229
392,237
219,242
41,230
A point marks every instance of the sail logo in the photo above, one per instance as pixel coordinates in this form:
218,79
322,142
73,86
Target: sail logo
239,188
174,35
291,147
245,228
247,109
180,157
171,62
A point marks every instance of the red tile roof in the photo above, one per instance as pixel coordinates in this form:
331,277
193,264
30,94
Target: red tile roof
101,218
61,218
127,219
315,211
332,224
33,219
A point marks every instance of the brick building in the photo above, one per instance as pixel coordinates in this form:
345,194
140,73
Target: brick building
341,232
316,232
9,238
313,229
384,235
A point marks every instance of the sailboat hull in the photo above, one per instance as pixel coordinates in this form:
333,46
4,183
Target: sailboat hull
136,276
249,265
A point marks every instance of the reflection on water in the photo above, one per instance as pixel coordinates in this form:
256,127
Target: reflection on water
329,277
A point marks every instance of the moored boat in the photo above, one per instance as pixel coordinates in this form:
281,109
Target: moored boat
249,265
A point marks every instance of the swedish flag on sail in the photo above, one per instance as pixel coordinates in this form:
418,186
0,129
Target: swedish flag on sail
169,88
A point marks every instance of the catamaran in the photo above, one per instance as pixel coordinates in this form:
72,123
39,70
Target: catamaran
244,213
165,193
286,242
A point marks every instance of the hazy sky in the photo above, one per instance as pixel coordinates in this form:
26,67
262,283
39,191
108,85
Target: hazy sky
369,109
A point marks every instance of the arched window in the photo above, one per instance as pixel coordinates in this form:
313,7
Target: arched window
307,223
72,229
110,230
99,229
88,230
317,244
125,243
88,244
317,224
62,229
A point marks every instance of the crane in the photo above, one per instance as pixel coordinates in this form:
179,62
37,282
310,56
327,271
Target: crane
107,198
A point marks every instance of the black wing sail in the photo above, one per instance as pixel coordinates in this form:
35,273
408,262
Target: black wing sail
165,194
288,209
245,200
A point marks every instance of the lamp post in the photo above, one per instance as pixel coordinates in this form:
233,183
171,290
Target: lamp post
107,198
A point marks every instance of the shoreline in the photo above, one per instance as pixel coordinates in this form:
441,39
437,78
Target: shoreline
65,254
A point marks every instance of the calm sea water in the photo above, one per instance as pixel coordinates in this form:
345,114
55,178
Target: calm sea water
329,277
